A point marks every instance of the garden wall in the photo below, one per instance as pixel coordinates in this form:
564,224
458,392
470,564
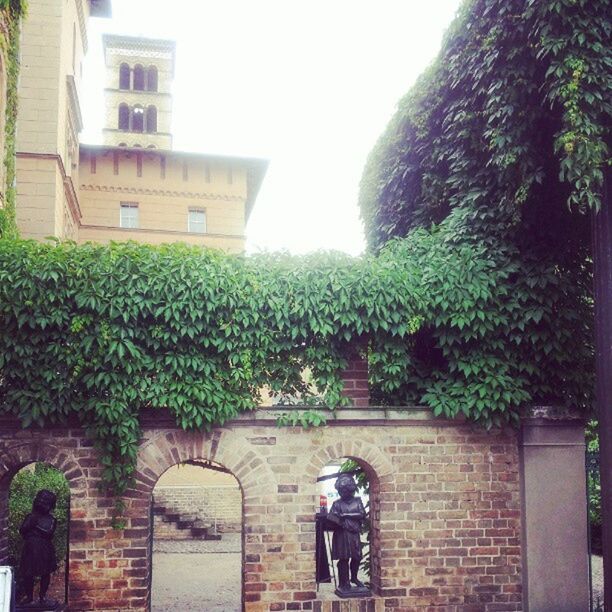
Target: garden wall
447,501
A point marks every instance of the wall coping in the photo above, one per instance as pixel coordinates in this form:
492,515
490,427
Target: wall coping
372,415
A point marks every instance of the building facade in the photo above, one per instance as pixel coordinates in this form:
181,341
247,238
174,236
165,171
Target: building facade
134,186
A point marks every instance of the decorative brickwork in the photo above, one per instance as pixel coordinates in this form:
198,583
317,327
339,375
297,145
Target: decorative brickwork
445,509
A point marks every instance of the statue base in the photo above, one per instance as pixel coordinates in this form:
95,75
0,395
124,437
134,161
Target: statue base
36,606
353,591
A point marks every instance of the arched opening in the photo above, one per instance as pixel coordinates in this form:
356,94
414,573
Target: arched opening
152,78
35,556
151,122
138,119
347,534
197,539
124,76
123,122
151,146
139,78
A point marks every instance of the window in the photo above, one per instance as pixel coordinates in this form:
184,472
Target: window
124,117
151,119
197,221
138,119
128,216
152,78
139,78
124,76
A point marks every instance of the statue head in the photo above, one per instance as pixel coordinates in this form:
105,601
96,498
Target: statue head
44,502
346,486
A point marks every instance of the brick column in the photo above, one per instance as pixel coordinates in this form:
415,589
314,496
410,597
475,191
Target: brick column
355,379
553,483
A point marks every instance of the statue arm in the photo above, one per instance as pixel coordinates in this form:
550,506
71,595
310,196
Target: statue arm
28,524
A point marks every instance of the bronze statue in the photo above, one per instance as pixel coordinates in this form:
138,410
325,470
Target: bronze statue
346,517
38,554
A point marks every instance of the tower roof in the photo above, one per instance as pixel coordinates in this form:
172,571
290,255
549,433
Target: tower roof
138,46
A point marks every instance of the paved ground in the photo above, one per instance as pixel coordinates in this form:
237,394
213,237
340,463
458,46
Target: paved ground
597,569
197,576
229,543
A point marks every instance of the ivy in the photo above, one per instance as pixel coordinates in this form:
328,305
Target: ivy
12,10
102,333
488,159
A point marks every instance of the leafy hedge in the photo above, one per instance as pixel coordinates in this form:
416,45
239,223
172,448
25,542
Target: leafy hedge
499,144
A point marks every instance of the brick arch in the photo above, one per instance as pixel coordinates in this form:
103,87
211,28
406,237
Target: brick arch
381,474
166,449
13,458
365,452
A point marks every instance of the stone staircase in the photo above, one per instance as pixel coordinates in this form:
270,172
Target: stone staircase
173,525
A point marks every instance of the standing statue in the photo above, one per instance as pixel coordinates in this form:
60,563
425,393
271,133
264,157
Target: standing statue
346,517
38,554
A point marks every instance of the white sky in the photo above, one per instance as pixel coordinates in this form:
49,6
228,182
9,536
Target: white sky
309,85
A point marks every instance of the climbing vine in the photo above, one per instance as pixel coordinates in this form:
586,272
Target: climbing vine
475,299
101,333
12,11
499,148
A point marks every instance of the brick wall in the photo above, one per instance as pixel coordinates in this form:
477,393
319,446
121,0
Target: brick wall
445,508
220,506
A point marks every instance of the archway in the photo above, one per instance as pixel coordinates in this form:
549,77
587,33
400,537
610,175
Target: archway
23,485
327,570
197,539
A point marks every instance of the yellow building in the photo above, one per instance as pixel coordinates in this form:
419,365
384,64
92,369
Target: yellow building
155,196
134,186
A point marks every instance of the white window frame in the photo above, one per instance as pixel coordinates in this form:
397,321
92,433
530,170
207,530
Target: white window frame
129,206
189,221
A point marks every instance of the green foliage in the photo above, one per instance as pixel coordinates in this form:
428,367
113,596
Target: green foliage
104,332
23,489
479,170
593,475
305,419
13,10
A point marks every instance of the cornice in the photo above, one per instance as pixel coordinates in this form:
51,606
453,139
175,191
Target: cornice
144,230
82,25
196,195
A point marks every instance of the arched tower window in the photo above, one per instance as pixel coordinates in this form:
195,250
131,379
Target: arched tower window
124,76
124,117
138,119
139,78
151,119
152,78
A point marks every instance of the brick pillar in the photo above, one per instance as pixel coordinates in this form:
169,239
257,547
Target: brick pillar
355,379
553,483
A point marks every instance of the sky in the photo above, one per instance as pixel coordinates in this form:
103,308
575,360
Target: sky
309,86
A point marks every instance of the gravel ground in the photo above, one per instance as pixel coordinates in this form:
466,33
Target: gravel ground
197,576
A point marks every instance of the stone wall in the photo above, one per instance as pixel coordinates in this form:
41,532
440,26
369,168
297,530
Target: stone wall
220,506
445,499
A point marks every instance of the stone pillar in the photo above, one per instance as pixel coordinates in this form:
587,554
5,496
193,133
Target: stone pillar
554,510
355,379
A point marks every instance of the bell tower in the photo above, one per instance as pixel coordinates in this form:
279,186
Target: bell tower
139,73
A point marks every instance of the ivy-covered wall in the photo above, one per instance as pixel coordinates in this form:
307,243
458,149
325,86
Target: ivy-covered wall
499,148
11,12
